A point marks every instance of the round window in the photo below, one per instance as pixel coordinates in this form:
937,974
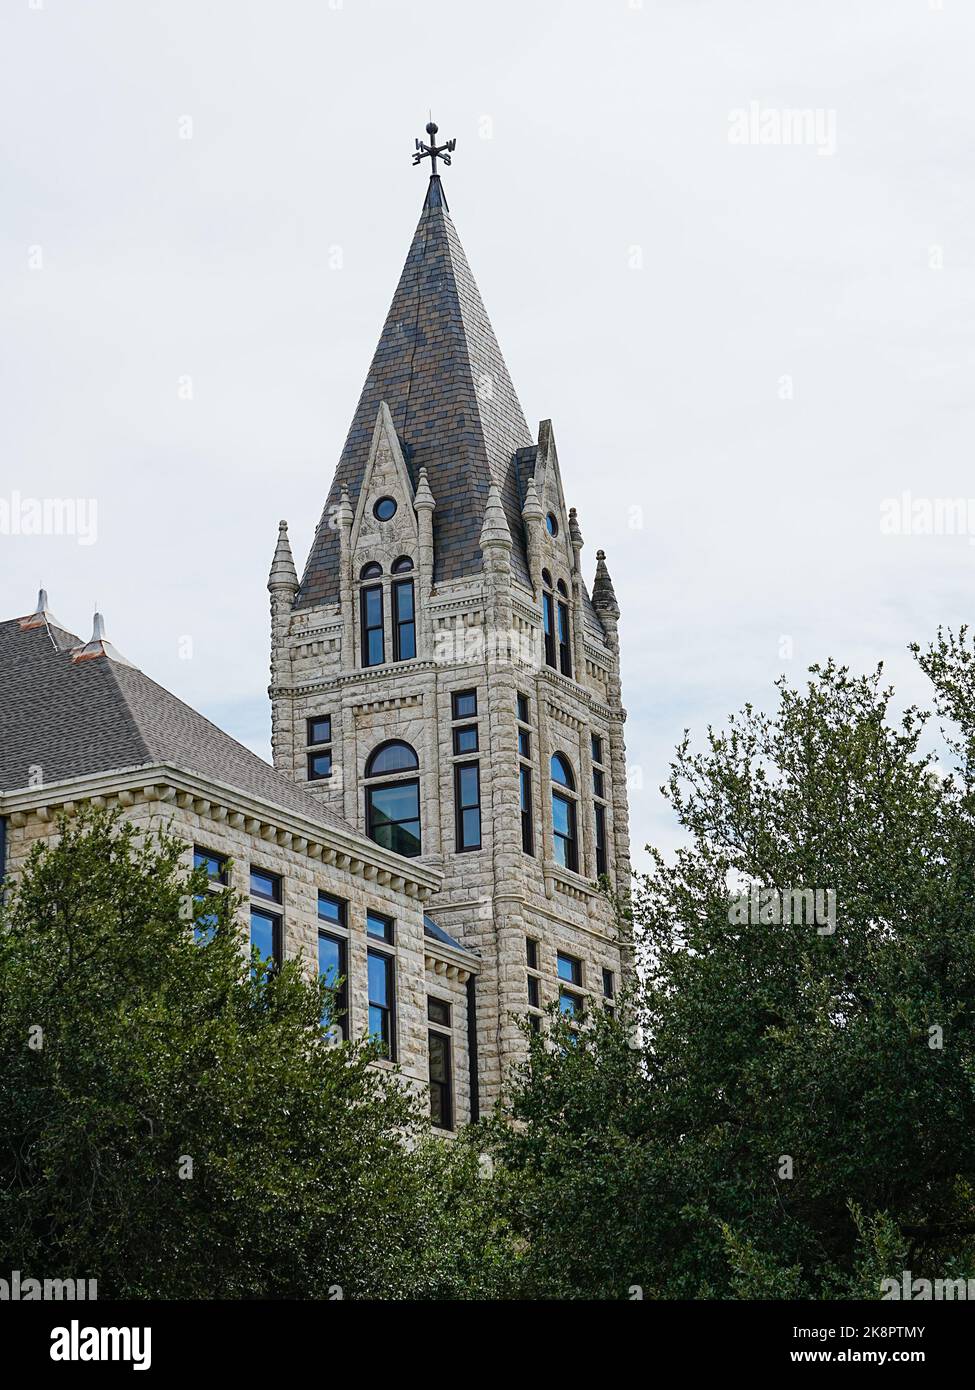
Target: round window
551,524
384,508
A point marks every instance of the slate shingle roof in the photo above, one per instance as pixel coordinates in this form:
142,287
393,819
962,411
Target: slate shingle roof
439,369
76,719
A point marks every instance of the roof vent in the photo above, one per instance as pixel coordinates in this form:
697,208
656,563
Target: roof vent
42,615
98,645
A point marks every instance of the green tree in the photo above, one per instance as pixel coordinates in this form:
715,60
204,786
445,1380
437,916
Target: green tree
173,1120
785,1109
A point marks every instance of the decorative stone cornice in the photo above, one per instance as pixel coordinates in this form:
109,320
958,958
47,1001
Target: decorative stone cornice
180,788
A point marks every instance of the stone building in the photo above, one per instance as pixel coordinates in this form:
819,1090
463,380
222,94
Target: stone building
442,678
447,727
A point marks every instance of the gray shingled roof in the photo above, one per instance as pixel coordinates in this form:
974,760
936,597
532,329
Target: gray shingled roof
439,369
76,719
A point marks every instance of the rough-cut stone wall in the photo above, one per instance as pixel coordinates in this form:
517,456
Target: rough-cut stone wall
482,633
419,969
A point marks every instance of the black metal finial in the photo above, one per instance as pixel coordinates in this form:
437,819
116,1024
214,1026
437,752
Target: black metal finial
433,150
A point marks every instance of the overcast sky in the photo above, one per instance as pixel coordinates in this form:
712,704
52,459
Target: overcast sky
745,347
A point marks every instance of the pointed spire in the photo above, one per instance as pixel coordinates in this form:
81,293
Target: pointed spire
345,513
575,534
495,529
603,593
532,510
98,645
283,573
41,616
453,407
423,499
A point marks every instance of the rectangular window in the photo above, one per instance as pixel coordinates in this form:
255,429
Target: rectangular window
524,743
379,927
564,828
333,970
527,829
332,909
531,952
548,627
523,709
320,729
598,781
570,1004
404,621
441,1088
382,1018
600,840
265,885
266,935
565,654
609,984
597,749
371,613
463,704
570,968
215,864
392,816
319,766
467,805
465,739
438,1011
533,995
535,1023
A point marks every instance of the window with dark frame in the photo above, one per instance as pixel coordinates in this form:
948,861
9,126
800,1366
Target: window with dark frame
319,755
266,935
569,968
601,861
565,649
393,808
404,621
333,969
379,927
382,1000
264,884
319,730
371,616
215,864
525,794
609,984
564,817
465,739
533,992
531,952
523,709
548,627
441,1080
463,704
467,806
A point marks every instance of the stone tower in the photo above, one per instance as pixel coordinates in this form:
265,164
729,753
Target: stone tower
442,678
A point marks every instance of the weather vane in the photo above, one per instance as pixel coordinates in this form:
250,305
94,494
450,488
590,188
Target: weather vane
434,150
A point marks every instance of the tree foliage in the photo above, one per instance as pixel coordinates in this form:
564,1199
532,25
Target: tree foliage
173,1120
784,1110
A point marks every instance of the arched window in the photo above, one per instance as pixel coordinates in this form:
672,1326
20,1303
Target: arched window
393,756
393,807
562,772
563,588
373,570
403,565
548,618
564,814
